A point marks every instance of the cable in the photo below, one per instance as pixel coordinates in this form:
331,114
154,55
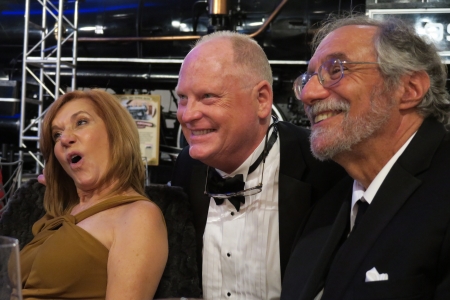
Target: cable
12,180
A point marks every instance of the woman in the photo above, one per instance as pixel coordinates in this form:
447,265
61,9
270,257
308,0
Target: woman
101,237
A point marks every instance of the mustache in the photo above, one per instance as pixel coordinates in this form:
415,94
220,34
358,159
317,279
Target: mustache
332,104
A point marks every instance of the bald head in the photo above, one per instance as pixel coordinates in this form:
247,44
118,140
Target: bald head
225,99
246,54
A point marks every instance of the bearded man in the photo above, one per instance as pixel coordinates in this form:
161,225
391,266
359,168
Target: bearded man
375,95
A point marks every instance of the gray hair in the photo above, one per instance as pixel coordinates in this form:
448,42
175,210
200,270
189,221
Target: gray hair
401,51
247,53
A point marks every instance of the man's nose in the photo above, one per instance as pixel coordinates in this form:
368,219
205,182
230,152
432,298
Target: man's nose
189,112
313,91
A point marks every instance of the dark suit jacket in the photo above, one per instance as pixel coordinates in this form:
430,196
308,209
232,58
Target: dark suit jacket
405,232
302,181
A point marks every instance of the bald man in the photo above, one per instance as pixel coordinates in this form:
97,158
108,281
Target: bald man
249,178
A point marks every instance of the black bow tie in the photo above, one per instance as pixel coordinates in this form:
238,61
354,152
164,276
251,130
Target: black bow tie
218,185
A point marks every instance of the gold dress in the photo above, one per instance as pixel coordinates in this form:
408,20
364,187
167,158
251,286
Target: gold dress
64,261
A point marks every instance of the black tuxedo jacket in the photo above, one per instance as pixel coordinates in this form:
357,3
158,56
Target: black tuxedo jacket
405,232
302,181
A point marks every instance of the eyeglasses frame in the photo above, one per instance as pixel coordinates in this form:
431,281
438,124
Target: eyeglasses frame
298,85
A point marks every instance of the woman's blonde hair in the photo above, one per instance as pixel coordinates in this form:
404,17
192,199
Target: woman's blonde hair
125,169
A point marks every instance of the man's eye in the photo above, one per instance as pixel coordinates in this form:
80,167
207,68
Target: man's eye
182,99
335,69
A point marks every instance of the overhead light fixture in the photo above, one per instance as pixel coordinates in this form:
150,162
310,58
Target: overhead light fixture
87,28
98,29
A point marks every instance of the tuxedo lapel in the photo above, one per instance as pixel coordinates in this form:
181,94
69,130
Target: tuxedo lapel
294,196
337,233
200,206
294,202
395,190
393,193
291,163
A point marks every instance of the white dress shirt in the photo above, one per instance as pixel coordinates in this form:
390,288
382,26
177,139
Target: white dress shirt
241,253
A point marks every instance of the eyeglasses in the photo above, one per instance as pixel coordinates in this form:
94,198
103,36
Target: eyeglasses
329,73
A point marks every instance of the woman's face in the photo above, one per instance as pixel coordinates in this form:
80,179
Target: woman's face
81,143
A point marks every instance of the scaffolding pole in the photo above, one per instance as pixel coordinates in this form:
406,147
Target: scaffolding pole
46,70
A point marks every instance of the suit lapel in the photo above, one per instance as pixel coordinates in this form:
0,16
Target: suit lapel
395,190
393,193
200,206
337,233
294,196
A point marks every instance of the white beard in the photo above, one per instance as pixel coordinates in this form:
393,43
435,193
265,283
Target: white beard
326,143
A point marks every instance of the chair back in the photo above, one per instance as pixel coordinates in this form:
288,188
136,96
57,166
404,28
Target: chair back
180,277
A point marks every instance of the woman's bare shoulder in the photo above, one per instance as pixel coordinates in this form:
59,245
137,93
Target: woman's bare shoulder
139,213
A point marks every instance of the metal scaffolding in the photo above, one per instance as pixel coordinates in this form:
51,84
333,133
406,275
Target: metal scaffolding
45,69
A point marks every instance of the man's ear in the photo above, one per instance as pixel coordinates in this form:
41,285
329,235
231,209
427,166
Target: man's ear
264,96
415,87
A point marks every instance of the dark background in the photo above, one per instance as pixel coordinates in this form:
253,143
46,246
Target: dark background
122,29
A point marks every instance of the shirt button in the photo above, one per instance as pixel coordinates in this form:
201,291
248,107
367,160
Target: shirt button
229,294
232,213
228,254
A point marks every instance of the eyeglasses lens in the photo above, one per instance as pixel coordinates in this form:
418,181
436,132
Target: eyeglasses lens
252,191
248,192
329,73
298,85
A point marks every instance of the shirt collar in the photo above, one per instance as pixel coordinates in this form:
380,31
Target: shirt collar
372,189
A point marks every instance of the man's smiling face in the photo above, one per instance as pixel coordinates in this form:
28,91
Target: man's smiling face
217,107
357,106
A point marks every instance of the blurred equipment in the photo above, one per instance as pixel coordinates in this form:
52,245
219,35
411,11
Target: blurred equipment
218,14
11,184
